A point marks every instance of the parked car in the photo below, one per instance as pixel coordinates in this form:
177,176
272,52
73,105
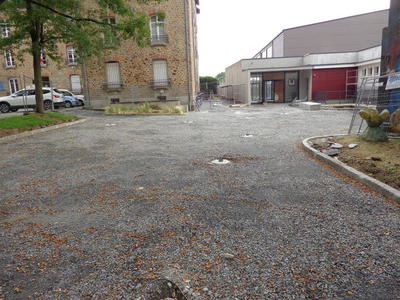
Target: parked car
26,98
80,98
70,101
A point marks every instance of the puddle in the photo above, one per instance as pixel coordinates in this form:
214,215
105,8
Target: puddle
247,135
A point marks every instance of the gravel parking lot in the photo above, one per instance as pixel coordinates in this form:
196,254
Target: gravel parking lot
105,209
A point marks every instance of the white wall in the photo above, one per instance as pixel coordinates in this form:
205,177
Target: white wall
304,84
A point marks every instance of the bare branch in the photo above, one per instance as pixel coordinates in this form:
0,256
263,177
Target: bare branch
68,16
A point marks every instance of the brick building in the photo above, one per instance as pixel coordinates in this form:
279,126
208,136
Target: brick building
16,74
166,70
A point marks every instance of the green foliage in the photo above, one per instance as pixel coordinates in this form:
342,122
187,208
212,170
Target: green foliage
161,15
220,77
208,84
33,120
72,21
209,79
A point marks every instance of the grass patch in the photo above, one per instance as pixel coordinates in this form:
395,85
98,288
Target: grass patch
145,108
17,124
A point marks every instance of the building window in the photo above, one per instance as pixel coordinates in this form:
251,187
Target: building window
364,72
109,35
160,71
113,76
76,83
10,62
377,70
43,60
256,88
5,30
370,70
72,58
14,87
157,27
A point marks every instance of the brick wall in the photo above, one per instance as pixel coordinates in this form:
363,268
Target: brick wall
58,73
136,63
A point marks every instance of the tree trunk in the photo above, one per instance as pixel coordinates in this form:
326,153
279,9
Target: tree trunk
36,32
37,70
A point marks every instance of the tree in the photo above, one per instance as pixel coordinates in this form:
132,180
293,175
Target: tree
208,84
220,77
39,26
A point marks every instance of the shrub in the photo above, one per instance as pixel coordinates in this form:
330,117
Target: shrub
145,108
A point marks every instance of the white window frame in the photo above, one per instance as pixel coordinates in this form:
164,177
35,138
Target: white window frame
5,30
159,24
43,59
14,85
364,72
9,59
160,74
71,56
116,81
72,86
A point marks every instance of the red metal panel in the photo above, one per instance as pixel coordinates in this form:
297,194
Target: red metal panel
331,83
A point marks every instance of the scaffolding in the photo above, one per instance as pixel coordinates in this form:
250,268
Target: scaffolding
374,93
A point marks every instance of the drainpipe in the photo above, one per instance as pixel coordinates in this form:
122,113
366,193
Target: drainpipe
188,60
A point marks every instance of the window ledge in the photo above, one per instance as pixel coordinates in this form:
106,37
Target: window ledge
113,86
71,63
158,43
10,67
161,85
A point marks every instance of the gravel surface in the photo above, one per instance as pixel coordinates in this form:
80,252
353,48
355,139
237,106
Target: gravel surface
128,207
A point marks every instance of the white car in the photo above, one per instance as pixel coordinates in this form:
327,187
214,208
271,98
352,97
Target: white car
80,98
26,98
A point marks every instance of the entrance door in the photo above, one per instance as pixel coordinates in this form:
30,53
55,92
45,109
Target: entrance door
269,90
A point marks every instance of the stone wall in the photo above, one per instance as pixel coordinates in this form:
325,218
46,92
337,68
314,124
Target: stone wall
136,63
58,73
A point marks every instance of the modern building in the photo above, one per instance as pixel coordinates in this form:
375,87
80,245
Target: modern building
165,70
320,62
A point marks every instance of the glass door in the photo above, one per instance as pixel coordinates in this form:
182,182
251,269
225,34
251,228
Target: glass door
256,88
269,90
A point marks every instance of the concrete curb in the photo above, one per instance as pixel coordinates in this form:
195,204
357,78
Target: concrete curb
374,184
14,137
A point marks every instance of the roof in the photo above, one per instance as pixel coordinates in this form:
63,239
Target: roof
318,23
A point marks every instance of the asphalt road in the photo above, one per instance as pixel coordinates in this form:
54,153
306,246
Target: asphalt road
105,209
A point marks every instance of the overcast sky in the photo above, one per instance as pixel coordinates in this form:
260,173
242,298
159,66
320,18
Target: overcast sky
230,30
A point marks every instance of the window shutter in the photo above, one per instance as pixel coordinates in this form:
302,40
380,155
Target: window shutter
160,71
113,76
76,83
